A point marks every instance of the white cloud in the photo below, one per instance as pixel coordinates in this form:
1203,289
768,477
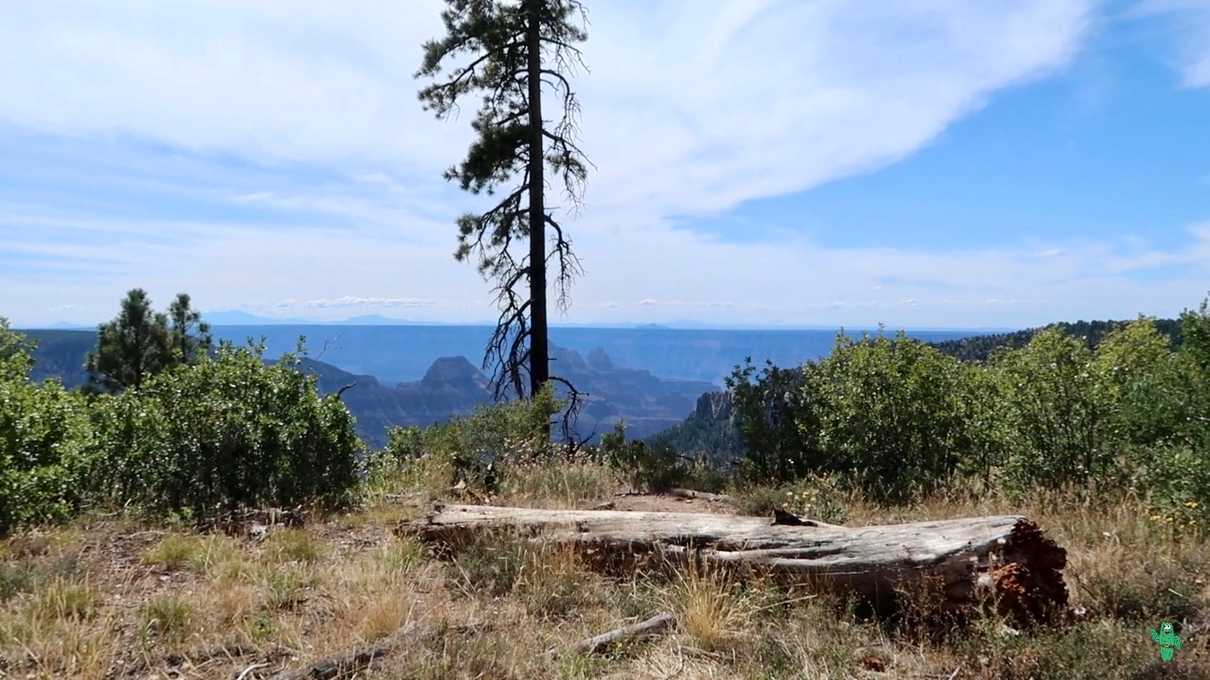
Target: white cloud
685,112
787,280
1191,22
652,302
795,95
355,301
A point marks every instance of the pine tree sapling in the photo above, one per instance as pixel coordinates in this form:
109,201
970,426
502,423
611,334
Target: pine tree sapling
141,342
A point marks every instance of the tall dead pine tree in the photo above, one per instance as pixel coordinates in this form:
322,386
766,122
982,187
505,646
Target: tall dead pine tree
510,53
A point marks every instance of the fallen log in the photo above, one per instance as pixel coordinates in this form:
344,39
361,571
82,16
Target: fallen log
651,626
1005,559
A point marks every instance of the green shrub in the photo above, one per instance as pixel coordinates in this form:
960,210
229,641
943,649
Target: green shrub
776,416
895,417
641,465
814,497
228,432
46,442
1054,412
890,413
893,412
820,498
1150,391
16,353
1177,483
469,449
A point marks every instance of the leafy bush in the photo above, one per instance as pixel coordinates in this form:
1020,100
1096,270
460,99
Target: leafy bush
46,442
1177,481
1195,335
228,432
1055,414
15,353
896,417
467,449
891,414
639,464
776,416
1149,390
817,497
894,412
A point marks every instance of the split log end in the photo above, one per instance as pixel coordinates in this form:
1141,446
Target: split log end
1028,576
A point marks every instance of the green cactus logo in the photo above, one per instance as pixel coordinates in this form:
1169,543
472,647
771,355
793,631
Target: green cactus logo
1168,641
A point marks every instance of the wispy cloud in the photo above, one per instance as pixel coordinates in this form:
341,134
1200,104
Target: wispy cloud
1190,21
872,82
298,164
355,301
653,302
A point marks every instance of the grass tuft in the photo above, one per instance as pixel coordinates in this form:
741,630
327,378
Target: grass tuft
167,617
293,545
711,606
174,552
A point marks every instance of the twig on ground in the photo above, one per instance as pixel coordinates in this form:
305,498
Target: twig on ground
249,669
651,626
349,664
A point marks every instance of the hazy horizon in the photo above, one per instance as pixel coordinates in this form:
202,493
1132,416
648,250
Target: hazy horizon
678,324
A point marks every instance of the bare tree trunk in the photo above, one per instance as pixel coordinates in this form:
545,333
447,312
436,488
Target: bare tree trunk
1005,558
539,351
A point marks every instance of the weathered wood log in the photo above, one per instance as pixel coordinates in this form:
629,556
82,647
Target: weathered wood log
1006,559
651,626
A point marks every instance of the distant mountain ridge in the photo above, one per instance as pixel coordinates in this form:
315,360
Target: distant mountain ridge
451,386
238,317
60,354
400,353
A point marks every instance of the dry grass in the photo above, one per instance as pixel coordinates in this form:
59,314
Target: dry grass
106,600
294,545
562,484
712,607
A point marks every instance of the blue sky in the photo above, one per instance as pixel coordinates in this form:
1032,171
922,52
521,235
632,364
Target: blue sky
935,163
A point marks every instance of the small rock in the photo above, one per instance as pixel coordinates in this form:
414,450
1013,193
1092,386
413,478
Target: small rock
258,531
